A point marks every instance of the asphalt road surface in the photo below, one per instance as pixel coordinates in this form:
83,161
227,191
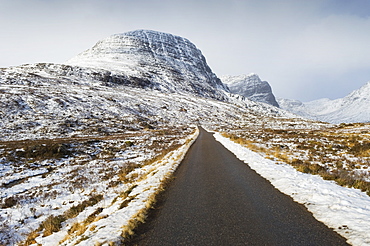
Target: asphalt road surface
215,199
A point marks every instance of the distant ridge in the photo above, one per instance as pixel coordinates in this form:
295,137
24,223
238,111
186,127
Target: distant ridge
252,87
355,107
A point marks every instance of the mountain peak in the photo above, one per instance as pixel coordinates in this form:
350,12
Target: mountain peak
141,41
171,62
252,87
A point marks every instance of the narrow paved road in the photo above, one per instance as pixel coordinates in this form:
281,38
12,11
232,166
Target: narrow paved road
216,199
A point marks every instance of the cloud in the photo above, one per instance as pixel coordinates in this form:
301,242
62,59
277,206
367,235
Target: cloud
303,54
331,52
337,42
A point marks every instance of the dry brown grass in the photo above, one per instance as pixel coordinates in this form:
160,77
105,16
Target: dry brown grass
244,142
30,239
128,230
78,229
54,223
333,153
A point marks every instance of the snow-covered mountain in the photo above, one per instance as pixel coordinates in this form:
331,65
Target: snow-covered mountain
352,108
143,77
252,87
160,60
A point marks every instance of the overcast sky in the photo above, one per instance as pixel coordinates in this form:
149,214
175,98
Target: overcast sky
306,49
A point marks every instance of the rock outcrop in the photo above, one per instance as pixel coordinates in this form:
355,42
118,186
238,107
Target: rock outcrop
251,87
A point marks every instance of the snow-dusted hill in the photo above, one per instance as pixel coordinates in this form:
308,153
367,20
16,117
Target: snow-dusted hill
252,87
50,100
352,108
163,61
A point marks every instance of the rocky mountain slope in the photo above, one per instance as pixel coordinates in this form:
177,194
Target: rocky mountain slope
252,87
51,100
352,108
161,60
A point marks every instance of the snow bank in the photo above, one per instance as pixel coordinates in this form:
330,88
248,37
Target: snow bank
346,210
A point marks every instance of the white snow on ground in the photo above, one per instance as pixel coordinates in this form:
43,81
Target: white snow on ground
346,210
109,229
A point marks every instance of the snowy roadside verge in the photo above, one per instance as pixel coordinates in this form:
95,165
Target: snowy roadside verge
346,210
119,217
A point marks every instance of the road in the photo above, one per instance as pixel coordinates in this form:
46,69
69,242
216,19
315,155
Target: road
215,199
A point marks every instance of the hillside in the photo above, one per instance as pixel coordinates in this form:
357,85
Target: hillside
51,100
